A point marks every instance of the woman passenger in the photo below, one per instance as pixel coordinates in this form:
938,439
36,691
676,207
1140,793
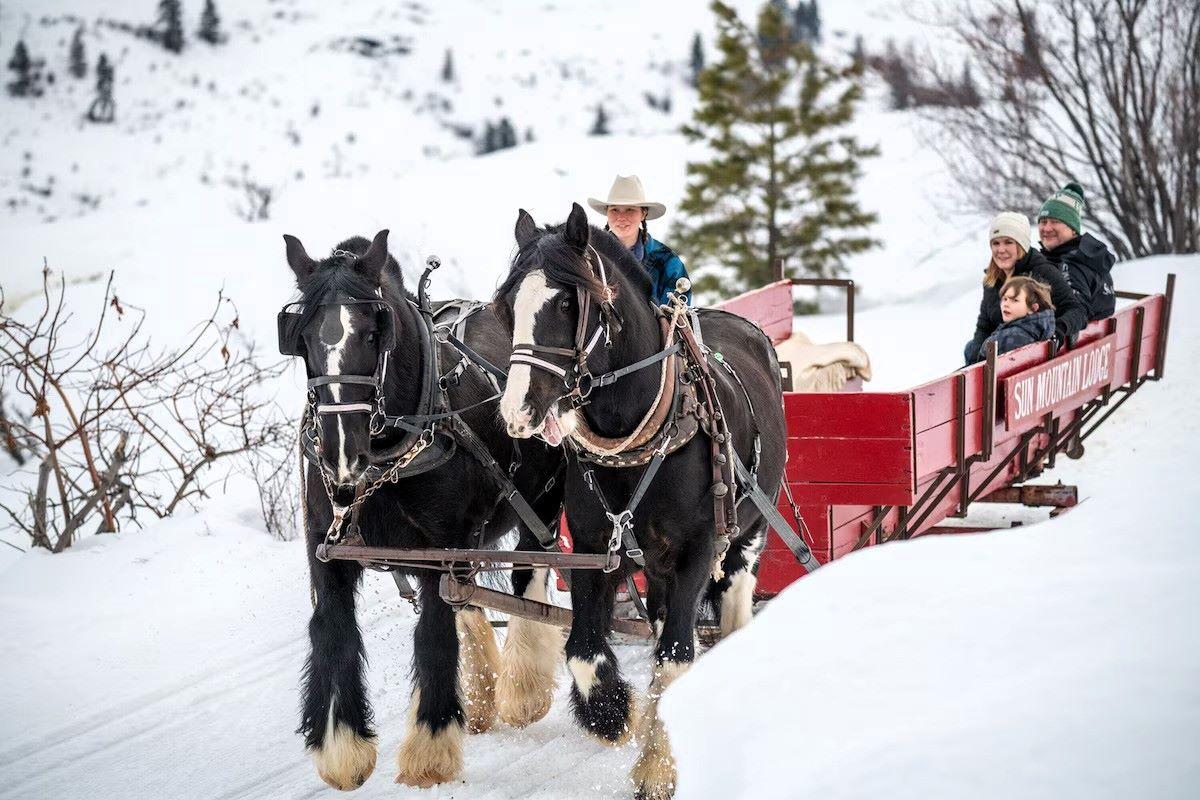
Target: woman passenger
1008,237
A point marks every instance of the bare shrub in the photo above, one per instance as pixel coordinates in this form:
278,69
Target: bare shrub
1104,92
114,427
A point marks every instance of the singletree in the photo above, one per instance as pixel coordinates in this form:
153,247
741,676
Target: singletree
779,180
600,124
77,58
210,24
170,18
697,61
103,109
448,68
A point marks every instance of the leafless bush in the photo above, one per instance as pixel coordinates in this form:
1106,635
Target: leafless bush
276,473
1105,92
121,429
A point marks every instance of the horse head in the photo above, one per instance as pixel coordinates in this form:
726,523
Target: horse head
560,299
343,327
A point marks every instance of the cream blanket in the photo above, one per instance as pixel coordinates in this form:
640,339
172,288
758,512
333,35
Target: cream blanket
822,367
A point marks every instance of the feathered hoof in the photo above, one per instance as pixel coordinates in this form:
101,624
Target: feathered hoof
528,663
603,703
426,759
345,760
479,662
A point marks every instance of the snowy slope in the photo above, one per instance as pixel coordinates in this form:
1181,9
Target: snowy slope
165,662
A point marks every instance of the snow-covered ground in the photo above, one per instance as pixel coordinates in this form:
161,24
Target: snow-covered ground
1056,660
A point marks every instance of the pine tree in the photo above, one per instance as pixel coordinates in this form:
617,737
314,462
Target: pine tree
898,77
24,85
170,17
814,22
859,53
968,94
210,24
448,68
780,180
600,124
697,62
77,57
103,109
490,139
506,134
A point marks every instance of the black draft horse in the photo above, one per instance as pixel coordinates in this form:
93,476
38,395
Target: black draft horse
674,524
340,334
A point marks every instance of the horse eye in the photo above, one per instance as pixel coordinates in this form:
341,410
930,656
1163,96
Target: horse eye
564,305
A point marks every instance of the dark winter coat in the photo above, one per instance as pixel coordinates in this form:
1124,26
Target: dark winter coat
1087,263
1070,315
665,268
1036,327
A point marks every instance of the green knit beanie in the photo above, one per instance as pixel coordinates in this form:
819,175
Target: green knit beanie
1066,205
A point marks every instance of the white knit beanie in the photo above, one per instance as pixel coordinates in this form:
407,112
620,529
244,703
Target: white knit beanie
1013,225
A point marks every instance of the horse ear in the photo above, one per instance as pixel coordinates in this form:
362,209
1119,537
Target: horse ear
577,231
297,259
372,261
525,228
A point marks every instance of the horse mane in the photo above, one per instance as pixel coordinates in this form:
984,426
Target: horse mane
561,263
333,278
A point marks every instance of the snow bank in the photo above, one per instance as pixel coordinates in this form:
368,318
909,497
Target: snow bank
1055,660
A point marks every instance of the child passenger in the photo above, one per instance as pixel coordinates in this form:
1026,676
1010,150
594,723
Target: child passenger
1027,314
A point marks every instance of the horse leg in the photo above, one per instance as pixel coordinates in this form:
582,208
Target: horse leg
530,658
732,597
600,696
336,716
432,748
479,664
654,772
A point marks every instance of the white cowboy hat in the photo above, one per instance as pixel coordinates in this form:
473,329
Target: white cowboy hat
627,191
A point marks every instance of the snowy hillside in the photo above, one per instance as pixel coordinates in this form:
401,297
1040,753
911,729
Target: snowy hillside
1053,661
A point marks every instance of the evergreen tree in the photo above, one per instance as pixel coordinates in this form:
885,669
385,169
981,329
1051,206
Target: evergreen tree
780,181
448,68
170,17
24,85
600,124
859,53
506,134
210,24
490,139
103,109
697,62
806,22
77,58
898,77
800,27
968,94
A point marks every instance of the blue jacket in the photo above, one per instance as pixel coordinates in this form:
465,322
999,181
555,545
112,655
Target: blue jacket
664,267
1037,327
